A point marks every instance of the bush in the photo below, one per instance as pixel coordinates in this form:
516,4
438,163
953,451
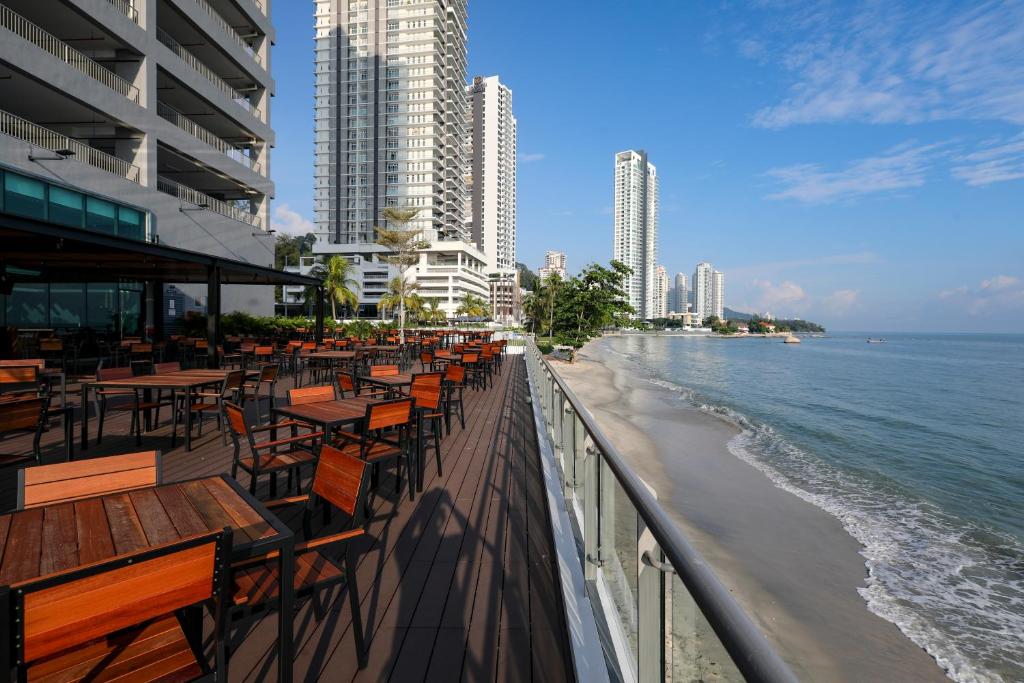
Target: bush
545,347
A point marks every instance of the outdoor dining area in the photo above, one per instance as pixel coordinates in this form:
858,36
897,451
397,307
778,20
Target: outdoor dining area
301,507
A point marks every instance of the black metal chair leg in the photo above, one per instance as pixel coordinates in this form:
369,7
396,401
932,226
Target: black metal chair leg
357,617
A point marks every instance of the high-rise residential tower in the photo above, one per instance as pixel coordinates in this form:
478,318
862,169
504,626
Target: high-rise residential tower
681,295
661,293
390,111
636,227
718,294
493,173
554,264
708,291
155,109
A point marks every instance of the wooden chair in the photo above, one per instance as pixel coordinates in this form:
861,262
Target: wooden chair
19,381
203,402
17,417
310,395
268,379
339,482
426,391
474,369
107,398
383,370
427,361
345,382
386,436
68,481
455,382
272,455
122,616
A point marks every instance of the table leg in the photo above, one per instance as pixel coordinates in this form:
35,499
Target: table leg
85,416
69,432
286,617
187,409
419,450
174,418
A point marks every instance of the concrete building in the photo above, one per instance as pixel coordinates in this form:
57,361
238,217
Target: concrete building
708,292
554,264
506,298
390,118
492,182
636,227
661,293
718,294
161,105
680,294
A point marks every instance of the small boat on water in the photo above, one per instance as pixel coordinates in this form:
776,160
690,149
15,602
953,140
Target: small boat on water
875,341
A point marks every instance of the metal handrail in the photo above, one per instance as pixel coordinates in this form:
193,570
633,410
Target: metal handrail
749,649
205,71
127,8
201,199
230,30
169,113
22,27
17,127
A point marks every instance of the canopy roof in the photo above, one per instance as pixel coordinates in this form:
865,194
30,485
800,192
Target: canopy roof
37,251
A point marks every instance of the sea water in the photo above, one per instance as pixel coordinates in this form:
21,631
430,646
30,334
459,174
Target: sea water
916,445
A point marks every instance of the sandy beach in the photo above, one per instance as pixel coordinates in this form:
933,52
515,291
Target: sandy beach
790,564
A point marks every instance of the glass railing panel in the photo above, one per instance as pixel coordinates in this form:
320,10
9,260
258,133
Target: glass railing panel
695,653
618,561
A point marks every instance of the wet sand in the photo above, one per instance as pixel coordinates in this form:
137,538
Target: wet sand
791,565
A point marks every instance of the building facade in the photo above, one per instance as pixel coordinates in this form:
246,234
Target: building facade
708,292
718,294
636,227
162,106
681,294
554,264
661,293
390,116
492,182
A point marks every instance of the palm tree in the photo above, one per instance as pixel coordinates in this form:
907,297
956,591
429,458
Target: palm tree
400,295
338,282
403,246
472,306
433,313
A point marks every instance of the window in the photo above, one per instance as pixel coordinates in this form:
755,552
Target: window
24,196
100,215
66,207
67,305
131,223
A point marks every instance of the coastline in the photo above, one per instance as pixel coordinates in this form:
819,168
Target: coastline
791,565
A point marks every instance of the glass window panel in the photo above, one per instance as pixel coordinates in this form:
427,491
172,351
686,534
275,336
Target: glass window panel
24,196
131,313
27,306
67,305
66,206
131,223
101,306
100,215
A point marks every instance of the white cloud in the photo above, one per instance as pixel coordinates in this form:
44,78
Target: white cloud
529,158
292,222
901,167
842,301
890,62
996,294
997,161
785,294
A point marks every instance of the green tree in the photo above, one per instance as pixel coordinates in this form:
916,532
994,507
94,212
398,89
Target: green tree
432,312
472,306
338,283
590,302
403,247
528,280
401,296
288,249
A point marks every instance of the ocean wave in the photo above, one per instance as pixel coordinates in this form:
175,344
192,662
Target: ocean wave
954,588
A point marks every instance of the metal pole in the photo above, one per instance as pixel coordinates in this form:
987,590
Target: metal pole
212,316
318,336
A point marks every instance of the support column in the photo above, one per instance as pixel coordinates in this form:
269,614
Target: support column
318,335
213,316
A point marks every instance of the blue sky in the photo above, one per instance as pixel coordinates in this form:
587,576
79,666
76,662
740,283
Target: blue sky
857,164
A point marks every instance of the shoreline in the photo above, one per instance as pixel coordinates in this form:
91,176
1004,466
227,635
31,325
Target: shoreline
791,565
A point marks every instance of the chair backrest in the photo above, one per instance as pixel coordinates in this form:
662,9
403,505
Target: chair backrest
141,348
339,480
426,357
233,381
389,414
426,393
456,374
428,378
15,362
236,420
345,382
68,609
45,484
470,357
263,350
247,347
268,373
164,368
19,378
309,346
107,374
21,414
51,345
383,370
297,397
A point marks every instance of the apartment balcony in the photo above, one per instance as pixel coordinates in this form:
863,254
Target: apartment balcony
228,30
186,124
65,147
205,201
127,8
206,72
34,34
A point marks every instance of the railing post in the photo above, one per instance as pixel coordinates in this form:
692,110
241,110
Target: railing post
591,511
650,603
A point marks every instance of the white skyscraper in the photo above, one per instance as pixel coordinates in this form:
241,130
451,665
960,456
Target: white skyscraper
390,119
681,294
636,227
718,294
661,293
493,173
554,264
703,283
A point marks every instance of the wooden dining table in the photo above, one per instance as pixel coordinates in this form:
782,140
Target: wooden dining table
184,381
39,541
392,383
327,415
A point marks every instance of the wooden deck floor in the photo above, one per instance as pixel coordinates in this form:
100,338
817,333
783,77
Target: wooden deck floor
459,585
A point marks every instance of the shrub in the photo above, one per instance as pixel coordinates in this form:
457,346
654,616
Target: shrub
545,347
